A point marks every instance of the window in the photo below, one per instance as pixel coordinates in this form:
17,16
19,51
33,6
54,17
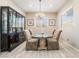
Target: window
42,22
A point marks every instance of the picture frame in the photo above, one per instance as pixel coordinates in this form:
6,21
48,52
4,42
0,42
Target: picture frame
51,22
30,22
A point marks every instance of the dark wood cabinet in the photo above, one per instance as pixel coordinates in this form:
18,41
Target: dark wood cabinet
11,28
0,30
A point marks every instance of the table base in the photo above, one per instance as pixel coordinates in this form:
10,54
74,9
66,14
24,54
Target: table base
42,44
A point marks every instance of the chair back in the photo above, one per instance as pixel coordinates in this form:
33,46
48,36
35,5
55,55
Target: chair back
27,35
57,34
53,31
30,32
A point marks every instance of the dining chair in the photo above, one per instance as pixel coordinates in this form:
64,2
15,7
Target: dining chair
53,31
30,32
53,43
31,43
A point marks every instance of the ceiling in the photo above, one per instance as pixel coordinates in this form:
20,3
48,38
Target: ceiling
46,5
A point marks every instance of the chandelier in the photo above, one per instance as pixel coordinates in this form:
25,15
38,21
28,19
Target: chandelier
40,14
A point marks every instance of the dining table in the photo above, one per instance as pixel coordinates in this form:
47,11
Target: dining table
42,39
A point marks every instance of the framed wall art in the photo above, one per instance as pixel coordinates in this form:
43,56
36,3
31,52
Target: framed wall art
51,22
30,22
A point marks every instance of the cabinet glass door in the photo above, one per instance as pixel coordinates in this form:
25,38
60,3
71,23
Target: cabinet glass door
10,20
17,21
22,23
4,35
14,21
0,29
4,20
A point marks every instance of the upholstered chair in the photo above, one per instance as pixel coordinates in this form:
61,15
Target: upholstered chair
53,31
30,32
53,43
31,43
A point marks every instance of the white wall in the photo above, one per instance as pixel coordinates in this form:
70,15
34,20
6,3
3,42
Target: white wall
12,4
31,15
71,33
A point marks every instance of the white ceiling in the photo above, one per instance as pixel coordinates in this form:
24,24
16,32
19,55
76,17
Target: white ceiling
46,5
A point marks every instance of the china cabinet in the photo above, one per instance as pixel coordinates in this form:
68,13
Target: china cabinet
11,28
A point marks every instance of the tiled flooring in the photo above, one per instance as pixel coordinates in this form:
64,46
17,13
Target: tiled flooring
66,51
